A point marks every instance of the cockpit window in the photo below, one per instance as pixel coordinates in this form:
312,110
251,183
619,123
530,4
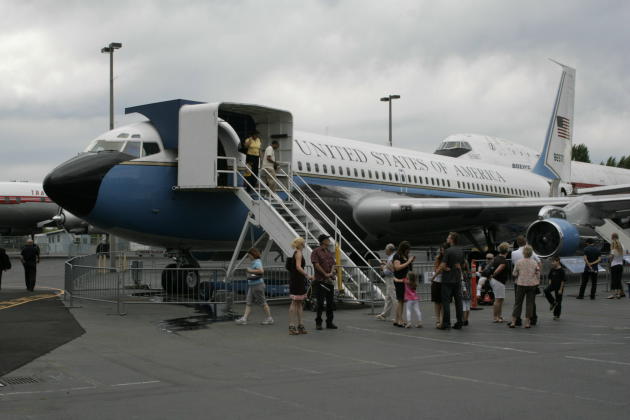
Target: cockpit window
132,148
453,148
150,149
123,135
105,145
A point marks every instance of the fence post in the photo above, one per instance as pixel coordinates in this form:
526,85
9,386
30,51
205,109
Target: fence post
120,304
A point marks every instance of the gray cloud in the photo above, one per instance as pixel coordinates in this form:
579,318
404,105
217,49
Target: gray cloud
459,67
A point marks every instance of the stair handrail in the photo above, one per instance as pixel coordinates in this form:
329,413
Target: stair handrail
277,198
331,223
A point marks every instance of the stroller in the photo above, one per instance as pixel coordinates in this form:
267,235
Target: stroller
486,296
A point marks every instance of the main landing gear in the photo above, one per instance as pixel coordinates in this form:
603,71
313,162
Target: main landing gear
182,276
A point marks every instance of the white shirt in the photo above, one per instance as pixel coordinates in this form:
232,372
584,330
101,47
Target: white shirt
269,152
389,263
518,255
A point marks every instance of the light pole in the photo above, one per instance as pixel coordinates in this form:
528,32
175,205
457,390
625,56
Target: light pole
389,99
113,244
110,50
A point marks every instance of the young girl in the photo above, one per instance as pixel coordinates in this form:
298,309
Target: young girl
412,304
466,292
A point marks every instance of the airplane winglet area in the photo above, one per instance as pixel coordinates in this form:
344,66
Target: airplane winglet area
165,118
555,159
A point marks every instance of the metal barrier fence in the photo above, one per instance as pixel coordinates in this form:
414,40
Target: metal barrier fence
152,278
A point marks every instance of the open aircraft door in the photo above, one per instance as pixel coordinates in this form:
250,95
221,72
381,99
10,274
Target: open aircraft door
210,132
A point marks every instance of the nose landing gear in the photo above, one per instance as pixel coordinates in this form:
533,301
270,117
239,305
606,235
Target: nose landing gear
182,277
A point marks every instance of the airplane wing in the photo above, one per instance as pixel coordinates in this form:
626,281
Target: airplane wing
609,189
382,215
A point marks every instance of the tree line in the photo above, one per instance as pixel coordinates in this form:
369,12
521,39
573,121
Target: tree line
579,152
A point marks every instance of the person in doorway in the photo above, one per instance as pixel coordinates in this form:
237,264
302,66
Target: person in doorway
269,165
413,315
388,276
324,287
30,259
527,277
252,158
255,289
516,256
402,263
616,267
592,257
498,278
556,285
436,286
452,283
5,263
298,278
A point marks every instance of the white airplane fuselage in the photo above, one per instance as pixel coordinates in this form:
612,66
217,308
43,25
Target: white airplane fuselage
22,206
501,152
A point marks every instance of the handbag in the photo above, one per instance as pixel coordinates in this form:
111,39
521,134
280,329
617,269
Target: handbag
488,271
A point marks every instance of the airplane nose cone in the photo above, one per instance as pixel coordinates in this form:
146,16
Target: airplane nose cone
74,184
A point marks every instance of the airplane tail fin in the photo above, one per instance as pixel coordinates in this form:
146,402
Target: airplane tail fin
555,160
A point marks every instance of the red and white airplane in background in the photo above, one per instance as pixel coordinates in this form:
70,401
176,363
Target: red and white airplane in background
25,209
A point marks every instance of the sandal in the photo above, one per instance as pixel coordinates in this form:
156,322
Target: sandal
511,325
301,329
293,330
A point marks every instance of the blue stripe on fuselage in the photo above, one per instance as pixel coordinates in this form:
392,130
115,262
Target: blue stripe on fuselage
404,189
151,206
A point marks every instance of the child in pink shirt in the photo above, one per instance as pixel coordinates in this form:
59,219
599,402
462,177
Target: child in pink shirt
412,304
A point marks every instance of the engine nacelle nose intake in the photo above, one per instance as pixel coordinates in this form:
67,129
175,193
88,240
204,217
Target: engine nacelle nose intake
557,237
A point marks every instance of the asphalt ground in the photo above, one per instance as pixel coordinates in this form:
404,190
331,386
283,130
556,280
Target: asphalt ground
139,366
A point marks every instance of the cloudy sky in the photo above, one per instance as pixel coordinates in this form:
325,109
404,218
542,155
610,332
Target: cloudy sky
460,66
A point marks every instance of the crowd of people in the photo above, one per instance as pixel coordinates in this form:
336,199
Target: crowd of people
451,283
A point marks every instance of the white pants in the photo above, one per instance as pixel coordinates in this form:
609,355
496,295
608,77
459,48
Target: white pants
390,297
480,284
412,310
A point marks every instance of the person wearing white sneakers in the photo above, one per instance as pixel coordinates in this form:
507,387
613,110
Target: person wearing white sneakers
255,289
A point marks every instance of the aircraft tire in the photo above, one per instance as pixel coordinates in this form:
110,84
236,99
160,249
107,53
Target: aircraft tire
190,279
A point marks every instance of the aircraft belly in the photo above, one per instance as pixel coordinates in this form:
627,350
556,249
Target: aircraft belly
153,210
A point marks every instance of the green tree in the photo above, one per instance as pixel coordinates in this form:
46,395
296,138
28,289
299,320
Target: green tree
579,152
611,161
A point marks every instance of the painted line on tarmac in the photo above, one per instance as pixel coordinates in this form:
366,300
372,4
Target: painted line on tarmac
588,359
7,304
80,388
440,340
522,388
339,356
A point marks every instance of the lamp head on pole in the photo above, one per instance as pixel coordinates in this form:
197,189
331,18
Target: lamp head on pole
385,99
111,47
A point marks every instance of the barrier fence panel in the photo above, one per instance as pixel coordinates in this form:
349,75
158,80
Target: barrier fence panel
128,278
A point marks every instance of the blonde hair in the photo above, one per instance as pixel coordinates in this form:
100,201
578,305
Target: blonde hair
504,247
528,251
297,242
616,244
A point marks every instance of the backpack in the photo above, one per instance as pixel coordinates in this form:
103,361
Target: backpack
5,262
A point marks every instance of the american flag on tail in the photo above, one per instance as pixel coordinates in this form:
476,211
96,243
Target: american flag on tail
564,127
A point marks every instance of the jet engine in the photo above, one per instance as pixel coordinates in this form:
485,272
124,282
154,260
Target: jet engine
73,224
556,236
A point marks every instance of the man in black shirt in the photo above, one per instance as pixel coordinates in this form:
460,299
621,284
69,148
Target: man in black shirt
30,259
592,257
452,283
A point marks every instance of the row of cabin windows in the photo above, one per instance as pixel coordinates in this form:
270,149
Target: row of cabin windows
414,179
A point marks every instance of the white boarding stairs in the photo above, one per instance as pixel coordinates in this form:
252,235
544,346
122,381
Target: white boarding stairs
284,220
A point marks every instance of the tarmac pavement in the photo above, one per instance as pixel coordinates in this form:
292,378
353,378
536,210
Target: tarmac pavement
139,366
